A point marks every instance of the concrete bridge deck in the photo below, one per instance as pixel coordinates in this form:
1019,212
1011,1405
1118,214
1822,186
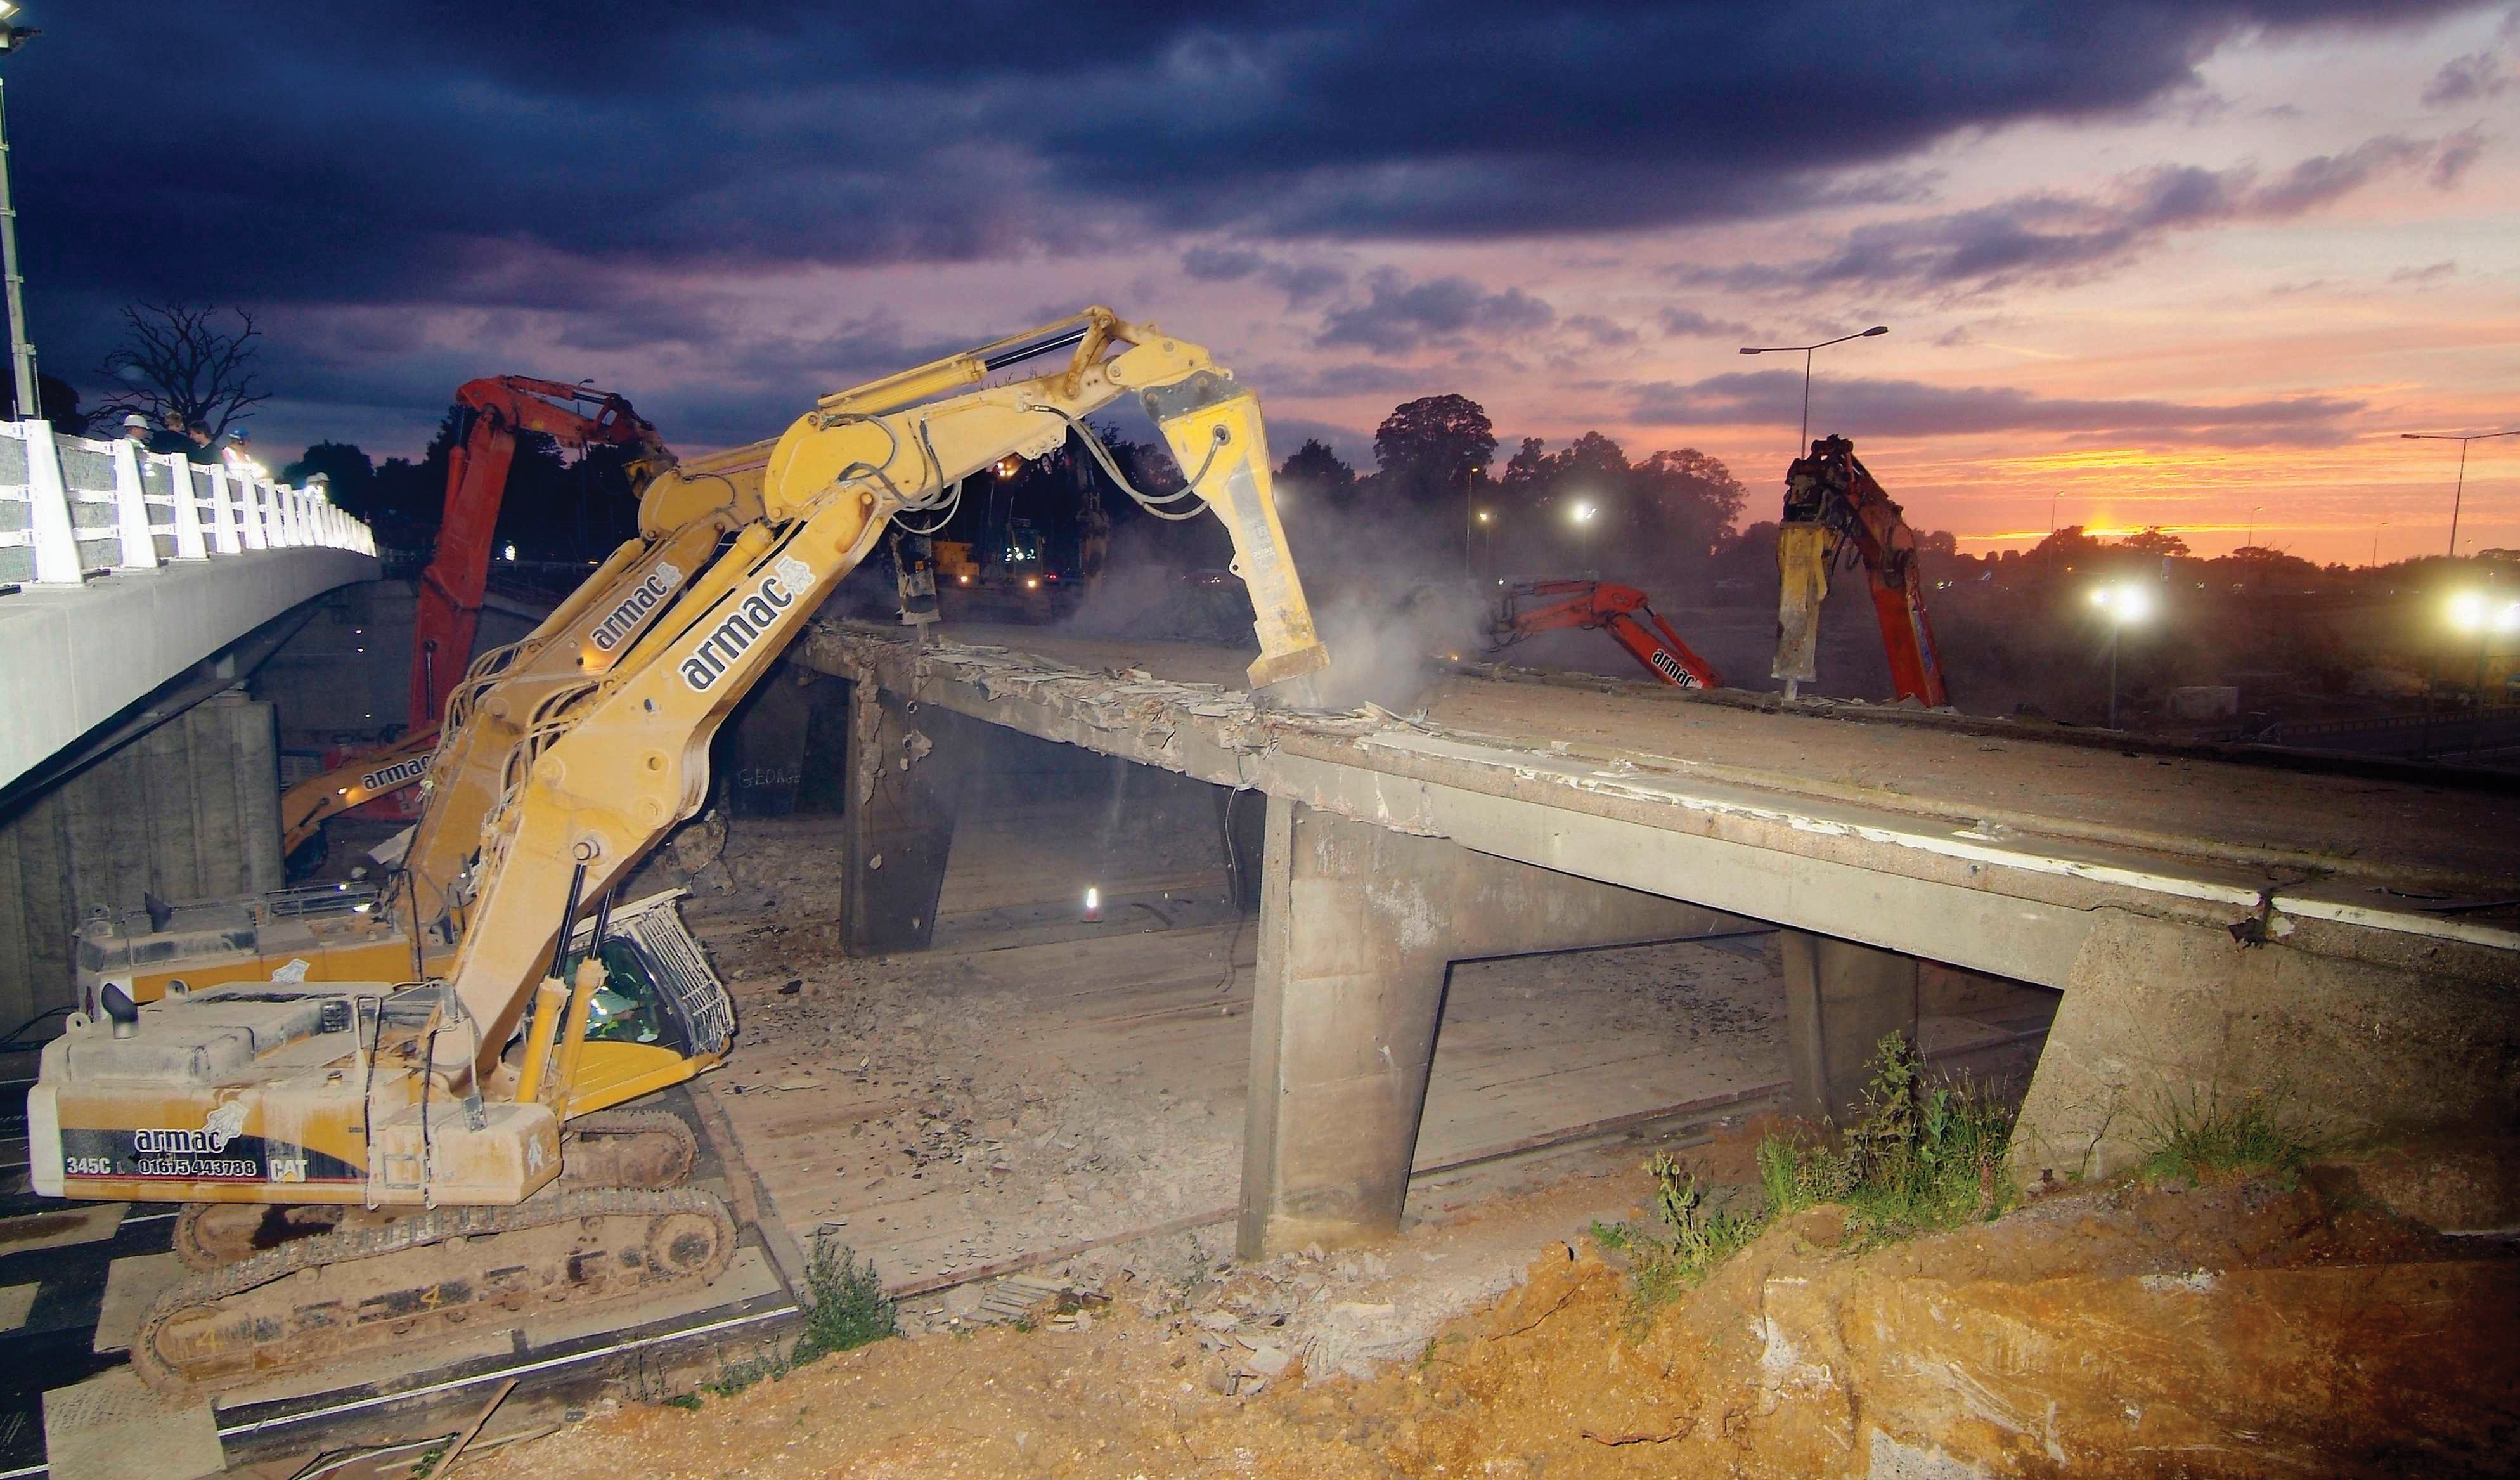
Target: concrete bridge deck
2217,927
122,571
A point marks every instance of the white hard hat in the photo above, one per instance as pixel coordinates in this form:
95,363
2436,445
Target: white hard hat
135,419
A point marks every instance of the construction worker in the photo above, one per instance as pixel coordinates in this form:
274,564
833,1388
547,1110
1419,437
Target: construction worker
135,430
238,453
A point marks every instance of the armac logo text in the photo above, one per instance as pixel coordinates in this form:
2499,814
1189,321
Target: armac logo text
624,619
745,623
400,773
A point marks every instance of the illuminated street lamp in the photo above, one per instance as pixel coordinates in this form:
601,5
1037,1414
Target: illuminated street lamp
1805,351
2459,489
1582,513
2473,611
2121,603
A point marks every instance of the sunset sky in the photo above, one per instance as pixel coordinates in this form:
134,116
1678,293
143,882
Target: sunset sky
2193,264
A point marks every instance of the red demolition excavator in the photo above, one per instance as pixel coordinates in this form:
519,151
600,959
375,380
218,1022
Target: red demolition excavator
1833,504
451,588
1619,610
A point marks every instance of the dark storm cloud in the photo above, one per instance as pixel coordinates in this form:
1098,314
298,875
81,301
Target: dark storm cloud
1689,323
1601,332
1301,283
1399,316
1912,408
2472,78
384,151
2053,237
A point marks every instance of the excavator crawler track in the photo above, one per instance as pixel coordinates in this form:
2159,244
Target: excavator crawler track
332,1297
609,1148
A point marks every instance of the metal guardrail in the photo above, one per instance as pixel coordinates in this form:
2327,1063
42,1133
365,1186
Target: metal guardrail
70,506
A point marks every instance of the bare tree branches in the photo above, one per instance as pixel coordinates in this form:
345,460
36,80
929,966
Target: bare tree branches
177,357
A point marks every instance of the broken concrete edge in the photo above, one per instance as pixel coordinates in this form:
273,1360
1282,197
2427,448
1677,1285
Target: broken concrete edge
1225,737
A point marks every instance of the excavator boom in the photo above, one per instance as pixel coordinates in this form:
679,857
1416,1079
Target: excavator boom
626,757
1620,611
448,609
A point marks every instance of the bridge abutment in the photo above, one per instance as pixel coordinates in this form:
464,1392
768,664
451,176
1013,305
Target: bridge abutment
2347,1035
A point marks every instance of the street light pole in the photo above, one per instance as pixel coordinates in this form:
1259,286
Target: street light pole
2458,491
2121,603
22,355
1803,446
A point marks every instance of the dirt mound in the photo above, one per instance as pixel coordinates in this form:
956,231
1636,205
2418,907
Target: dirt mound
2241,1329
2244,1328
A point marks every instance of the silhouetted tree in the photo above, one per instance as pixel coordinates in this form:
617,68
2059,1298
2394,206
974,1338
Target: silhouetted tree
1429,449
179,357
352,477
2150,540
2065,550
60,405
1313,472
1685,501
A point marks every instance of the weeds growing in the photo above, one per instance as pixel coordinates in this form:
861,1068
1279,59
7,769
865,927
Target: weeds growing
2202,1139
1921,1157
849,1309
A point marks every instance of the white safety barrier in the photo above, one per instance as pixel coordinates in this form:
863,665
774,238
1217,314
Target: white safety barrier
71,507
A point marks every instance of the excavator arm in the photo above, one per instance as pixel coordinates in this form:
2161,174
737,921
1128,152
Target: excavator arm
618,759
449,607
476,482
1833,502
1620,611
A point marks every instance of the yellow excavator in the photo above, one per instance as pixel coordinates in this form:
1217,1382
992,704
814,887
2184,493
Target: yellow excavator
430,1143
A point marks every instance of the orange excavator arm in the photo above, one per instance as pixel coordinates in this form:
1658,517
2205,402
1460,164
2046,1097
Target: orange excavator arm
451,588
1831,501
476,481
1620,611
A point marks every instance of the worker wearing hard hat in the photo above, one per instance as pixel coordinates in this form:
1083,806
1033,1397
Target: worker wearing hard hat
238,453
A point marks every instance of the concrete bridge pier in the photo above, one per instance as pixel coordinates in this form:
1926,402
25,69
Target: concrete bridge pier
906,765
1358,925
1841,1000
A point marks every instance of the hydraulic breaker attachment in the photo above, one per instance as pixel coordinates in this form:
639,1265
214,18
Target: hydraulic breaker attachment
1803,553
1214,428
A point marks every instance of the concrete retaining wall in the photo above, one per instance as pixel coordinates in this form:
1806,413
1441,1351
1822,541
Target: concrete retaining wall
189,811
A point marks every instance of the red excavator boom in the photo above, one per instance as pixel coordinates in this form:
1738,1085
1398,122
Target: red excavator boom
477,481
1619,610
449,606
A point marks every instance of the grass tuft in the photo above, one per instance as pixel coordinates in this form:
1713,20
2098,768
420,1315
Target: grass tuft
1921,1157
849,1309
2203,1139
